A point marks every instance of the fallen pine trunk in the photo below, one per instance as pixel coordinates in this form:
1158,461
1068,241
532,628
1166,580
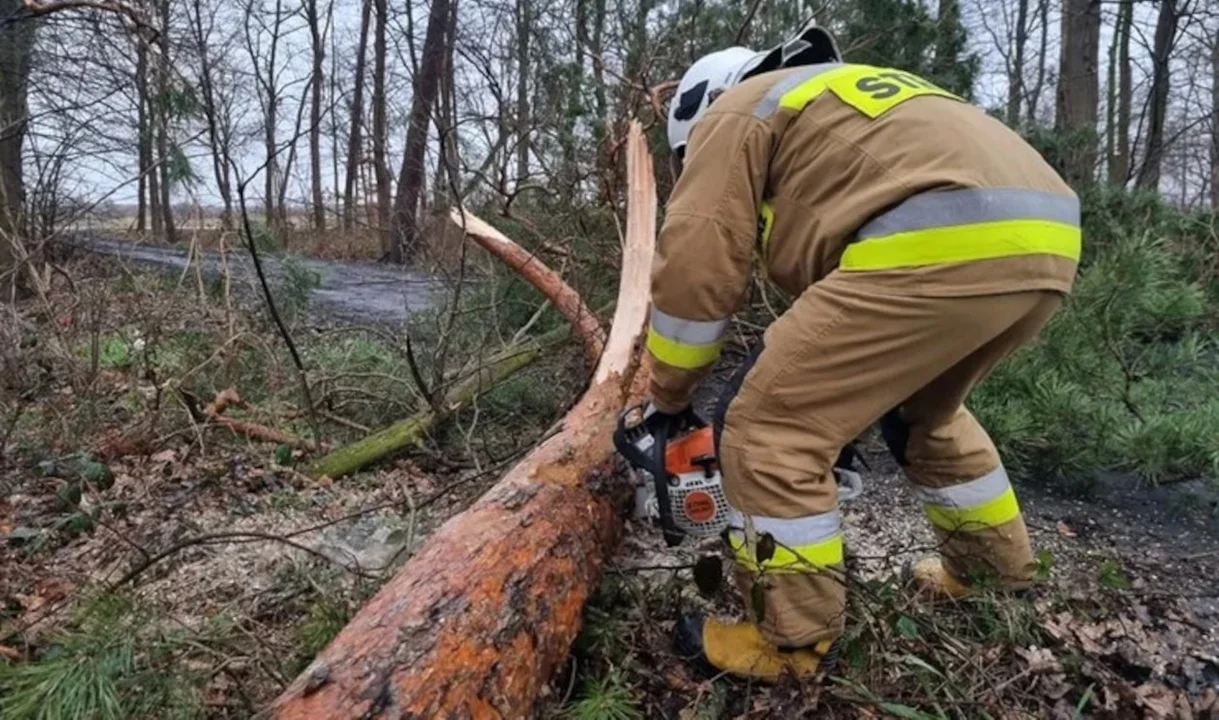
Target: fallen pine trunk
475,624
405,433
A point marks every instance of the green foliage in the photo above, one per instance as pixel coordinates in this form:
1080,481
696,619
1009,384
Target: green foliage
903,34
605,698
1072,152
178,168
1123,377
295,286
326,617
1043,565
1112,576
265,237
107,663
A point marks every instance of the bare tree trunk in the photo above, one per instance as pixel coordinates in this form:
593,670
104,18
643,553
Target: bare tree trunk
270,119
523,31
315,114
355,149
16,47
446,120
1015,75
153,169
379,132
1166,34
404,233
1215,122
1125,92
290,161
162,115
1119,156
598,47
1078,99
333,111
1034,98
145,137
216,138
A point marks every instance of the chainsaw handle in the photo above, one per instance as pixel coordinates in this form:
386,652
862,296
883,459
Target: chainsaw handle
661,426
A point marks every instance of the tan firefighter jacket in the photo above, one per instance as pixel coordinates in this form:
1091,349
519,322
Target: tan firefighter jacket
850,169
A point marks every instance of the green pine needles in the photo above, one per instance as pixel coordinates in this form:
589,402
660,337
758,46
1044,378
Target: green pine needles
1126,376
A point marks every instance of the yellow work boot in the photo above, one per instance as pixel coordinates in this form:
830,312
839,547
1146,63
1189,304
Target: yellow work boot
738,649
929,577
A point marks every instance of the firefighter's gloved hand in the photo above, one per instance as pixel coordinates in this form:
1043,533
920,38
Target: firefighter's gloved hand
651,408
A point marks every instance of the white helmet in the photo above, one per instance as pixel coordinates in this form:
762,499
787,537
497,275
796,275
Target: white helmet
714,73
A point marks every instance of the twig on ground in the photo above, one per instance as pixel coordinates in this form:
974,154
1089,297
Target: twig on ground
234,537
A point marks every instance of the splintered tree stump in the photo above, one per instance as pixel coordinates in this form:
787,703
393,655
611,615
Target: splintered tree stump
476,623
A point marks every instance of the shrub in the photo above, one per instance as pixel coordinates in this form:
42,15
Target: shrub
1123,378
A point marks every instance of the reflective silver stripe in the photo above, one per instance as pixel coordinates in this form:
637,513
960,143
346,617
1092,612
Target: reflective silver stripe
973,205
689,332
970,494
792,532
770,103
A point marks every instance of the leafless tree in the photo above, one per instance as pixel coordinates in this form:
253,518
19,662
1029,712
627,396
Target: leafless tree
355,145
317,78
1167,22
404,231
16,46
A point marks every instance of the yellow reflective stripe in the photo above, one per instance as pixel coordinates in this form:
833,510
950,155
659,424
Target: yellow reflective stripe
800,96
682,355
766,223
989,514
870,90
963,243
790,559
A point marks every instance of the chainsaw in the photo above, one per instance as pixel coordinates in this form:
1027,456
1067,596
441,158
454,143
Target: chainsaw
678,473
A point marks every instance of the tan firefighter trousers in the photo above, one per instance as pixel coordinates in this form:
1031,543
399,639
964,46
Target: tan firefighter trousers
850,350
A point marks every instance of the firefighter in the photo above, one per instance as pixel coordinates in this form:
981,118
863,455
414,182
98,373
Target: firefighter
922,241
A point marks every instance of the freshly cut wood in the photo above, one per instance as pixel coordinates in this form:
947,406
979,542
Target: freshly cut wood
405,433
476,623
550,283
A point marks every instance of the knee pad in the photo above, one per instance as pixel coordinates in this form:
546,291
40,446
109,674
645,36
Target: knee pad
896,433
